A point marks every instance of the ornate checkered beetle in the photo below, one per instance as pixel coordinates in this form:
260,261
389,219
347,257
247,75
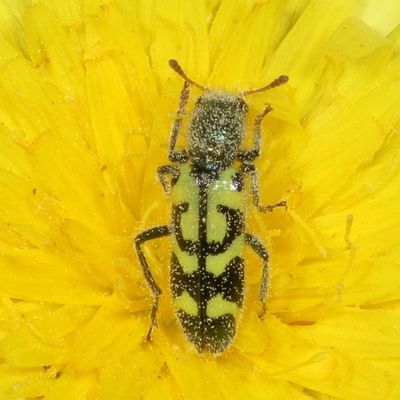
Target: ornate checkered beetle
208,226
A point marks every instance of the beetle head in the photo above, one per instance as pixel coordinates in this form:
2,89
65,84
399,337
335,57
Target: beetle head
216,130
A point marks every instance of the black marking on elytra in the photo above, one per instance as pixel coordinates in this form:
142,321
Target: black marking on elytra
234,228
202,285
180,281
231,281
190,246
213,333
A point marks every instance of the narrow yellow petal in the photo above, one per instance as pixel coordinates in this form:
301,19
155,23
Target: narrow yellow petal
322,369
17,383
383,19
132,375
22,348
34,275
120,334
11,13
366,333
72,386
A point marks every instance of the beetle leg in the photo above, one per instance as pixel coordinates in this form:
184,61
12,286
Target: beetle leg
251,155
250,169
152,233
179,156
162,172
262,252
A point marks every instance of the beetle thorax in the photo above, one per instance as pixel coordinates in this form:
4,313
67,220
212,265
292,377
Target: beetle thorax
216,130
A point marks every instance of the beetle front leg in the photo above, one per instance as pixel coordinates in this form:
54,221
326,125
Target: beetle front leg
250,169
167,170
252,154
152,233
262,252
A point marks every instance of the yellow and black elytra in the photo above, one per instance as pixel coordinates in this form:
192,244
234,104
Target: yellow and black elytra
208,226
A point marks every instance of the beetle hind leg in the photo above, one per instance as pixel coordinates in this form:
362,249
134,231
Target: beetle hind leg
153,317
152,233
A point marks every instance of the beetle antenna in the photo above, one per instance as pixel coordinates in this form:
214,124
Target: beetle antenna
281,80
178,69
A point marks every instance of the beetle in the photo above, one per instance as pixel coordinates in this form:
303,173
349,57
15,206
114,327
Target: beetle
208,223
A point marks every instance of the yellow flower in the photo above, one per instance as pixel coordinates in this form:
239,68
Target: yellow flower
86,105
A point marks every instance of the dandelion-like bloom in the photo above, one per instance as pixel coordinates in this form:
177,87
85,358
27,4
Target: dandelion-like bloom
86,105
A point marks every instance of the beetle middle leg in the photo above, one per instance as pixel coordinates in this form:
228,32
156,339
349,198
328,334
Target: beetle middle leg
152,233
248,168
262,252
163,171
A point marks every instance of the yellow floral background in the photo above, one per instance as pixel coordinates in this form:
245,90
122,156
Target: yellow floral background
86,104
